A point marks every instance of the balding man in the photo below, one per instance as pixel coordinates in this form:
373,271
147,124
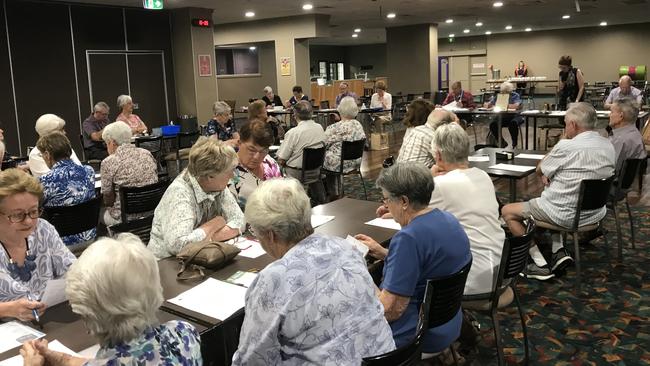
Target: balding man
416,145
624,90
626,138
463,98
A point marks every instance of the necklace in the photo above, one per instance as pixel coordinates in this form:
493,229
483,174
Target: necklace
24,272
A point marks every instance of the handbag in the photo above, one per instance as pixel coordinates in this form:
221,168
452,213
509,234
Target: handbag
203,254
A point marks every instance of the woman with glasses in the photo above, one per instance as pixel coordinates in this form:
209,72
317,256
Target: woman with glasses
255,164
32,252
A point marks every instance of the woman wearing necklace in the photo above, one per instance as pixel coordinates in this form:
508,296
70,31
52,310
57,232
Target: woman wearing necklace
32,251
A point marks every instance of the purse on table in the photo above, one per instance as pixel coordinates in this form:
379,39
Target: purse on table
207,253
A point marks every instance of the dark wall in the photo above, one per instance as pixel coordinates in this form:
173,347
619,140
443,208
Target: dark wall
46,77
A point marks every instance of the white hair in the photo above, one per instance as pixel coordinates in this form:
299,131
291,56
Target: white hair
582,114
452,142
101,106
2,152
115,287
629,108
439,117
220,108
281,206
348,108
119,132
123,100
506,87
48,123
268,89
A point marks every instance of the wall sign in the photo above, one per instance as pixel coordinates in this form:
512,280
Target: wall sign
205,65
285,66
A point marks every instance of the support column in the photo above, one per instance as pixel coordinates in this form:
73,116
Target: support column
412,58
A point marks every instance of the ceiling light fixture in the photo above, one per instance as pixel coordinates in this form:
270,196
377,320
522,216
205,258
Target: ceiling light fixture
357,30
465,30
449,21
508,27
452,35
488,33
479,24
528,29
307,7
497,4
566,16
355,35
252,48
391,15
602,24
249,14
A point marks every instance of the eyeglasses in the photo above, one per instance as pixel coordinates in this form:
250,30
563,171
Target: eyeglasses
20,217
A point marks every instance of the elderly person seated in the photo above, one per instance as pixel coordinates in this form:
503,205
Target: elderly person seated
32,252
93,126
126,166
416,145
125,103
511,121
381,99
463,98
270,99
347,129
316,303
624,90
626,138
344,91
46,124
255,164
431,244
120,312
198,205
257,110
297,96
221,126
66,184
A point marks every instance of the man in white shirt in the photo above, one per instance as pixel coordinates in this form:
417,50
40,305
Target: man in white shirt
584,154
624,90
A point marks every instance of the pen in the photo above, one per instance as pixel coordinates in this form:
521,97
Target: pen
34,311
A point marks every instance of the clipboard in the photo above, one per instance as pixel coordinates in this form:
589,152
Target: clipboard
502,101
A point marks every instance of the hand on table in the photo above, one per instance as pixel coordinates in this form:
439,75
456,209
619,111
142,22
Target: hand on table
213,226
375,249
21,309
31,355
38,350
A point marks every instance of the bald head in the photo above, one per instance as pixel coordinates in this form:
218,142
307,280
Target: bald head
440,117
625,83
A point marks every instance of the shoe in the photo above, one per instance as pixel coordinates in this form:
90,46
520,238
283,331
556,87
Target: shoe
561,260
504,143
538,273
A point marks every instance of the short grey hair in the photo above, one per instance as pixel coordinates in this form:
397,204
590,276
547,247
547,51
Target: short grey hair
101,106
49,123
102,288
220,108
280,205
268,89
123,100
119,132
348,108
583,114
303,110
506,87
412,180
452,142
629,108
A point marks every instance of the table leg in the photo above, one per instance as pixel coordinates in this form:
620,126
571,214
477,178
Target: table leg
500,137
527,132
513,190
535,133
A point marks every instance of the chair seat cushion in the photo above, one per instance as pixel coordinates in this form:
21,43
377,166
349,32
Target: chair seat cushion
547,225
505,299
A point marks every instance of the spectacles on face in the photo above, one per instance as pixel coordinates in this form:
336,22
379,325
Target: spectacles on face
21,216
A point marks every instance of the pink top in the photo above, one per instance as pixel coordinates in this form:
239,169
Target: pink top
132,120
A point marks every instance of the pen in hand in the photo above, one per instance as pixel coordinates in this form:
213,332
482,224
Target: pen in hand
34,311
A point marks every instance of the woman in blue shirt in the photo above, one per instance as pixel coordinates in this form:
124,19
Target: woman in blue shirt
431,244
221,126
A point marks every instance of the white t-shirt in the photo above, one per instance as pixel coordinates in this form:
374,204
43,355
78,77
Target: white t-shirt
37,165
469,195
376,101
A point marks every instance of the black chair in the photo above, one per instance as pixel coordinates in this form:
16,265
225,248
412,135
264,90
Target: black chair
622,187
312,162
593,194
351,150
324,104
140,227
439,97
70,220
426,96
181,147
153,144
141,200
513,262
408,355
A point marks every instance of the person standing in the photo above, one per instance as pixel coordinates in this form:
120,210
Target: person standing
571,86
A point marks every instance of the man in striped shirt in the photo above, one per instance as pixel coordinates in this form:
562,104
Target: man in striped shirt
584,154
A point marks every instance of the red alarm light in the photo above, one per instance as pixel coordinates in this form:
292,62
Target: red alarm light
203,23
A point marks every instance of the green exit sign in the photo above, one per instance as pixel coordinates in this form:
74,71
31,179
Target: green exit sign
152,4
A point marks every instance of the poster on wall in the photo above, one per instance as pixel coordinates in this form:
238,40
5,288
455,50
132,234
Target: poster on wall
205,65
285,66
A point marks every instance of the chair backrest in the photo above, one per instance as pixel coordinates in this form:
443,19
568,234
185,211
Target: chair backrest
324,104
426,95
593,195
407,355
439,97
75,219
140,227
628,173
135,200
442,298
515,254
313,158
352,150
151,143
186,139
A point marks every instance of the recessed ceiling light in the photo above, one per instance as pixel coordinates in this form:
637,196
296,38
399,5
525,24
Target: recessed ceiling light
252,48
249,14
357,30
528,29
479,24
452,35
391,15
307,7
602,24
355,35
508,27
449,21
497,4
465,30
566,16
488,33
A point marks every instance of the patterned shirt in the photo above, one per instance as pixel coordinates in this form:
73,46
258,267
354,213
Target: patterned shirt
183,208
586,156
172,343
315,305
69,184
616,94
245,182
348,130
37,165
132,120
129,166
52,261
628,144
223,133
416,146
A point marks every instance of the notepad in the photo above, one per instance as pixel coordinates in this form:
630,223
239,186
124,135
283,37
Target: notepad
242,278
13,334
54,292
479,158
318,220
530,156
359,246
512,167
214,298
385,223
250,248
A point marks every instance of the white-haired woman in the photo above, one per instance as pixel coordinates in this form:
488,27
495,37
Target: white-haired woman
198,205
125,104
511,121
120,312
347,129
316,303
221,125
270,98
46,124
125,166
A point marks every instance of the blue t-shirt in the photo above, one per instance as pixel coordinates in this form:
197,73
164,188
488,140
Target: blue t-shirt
431,245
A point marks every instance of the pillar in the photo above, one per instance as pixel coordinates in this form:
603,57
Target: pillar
412,58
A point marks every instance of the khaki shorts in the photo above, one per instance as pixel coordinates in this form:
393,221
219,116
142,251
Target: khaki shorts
531,208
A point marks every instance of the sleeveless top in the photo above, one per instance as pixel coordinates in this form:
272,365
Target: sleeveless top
571,87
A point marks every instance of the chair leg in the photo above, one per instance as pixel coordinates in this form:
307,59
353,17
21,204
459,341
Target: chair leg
363,183
577,258
523,326
629,215
497,336
619,236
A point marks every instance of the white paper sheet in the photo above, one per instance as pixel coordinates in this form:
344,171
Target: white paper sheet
250,248
55,345
98,176
54,292
318,220
530,111
530,156
478,158
98,184
214,298
362,248
557,114
512,167
89,352
14,334
274,147
242,278
385,223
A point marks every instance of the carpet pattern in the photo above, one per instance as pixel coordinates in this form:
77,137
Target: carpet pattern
606,322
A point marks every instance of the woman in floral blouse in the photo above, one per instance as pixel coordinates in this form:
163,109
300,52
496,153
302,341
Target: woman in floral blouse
120,312
221,126
255,165
347,129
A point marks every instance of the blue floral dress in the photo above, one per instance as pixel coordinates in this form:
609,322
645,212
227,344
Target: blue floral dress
173,343
224,133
